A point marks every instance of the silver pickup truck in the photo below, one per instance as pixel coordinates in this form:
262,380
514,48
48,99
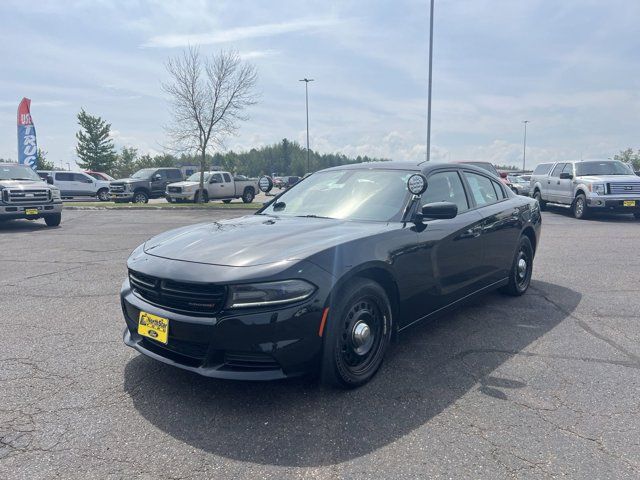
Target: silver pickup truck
23,194
587,186
217,186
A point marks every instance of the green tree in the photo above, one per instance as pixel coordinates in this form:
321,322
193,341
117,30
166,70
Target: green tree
126,163
41,161
629,157
95,146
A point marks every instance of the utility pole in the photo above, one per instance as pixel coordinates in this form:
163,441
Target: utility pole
430,81
524,147
306,94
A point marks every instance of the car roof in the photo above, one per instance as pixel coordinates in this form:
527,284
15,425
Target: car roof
418,167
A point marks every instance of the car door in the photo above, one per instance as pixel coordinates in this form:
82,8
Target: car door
218,188
564,186
65,182
553,183
84,184
158,183
449,251
500,225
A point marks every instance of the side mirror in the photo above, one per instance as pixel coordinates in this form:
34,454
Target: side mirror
440,210
565,176
157,177
265,184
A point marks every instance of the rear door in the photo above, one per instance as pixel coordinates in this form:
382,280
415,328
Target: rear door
553,183
500,225
65,182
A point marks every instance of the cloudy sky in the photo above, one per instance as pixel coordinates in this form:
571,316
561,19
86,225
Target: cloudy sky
571,67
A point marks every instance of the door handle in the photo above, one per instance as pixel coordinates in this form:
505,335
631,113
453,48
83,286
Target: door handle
558,182
548,181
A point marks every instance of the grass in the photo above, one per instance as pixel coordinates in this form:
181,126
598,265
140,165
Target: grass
166,206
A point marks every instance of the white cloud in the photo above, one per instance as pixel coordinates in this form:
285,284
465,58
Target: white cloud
239,33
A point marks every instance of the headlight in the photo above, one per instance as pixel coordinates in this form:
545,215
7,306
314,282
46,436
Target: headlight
269,293
598,189
187,189
55,193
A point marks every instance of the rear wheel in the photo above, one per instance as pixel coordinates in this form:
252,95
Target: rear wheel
580,208
357,335
248,196
538,197
53,219
521,269
140,197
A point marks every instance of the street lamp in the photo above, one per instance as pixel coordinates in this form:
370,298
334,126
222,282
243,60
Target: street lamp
524,147
306,94
430,78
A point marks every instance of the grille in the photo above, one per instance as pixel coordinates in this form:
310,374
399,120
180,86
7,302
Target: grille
116,188
622,188
182,297
23,197
174,189
249,361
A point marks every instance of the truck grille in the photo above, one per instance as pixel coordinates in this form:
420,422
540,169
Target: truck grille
118,188
26,197
202,299
174,189
620,188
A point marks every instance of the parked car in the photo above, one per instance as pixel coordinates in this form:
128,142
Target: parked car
219,185
327,272
77,184
588,186
144,184
291,181
489,167
23,194
519,184
100,176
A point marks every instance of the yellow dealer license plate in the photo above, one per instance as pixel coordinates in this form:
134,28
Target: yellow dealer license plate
31,211
629,203
154,327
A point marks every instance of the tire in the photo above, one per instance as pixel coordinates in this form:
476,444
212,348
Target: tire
103,195
537,196
248,196
580,208
140,197
169,199
226,200
520,273
205,197
349,361
53,219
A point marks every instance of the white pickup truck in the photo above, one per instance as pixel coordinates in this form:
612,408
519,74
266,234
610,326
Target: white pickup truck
218,185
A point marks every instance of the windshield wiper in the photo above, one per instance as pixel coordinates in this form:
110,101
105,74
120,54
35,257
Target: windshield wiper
20,178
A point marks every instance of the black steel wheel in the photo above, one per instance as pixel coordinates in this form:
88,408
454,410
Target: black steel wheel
357,334
248,196
521,269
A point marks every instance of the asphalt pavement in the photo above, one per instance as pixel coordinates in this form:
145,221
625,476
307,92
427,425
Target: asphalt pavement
541,386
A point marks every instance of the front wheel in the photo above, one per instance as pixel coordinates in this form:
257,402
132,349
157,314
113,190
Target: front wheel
140,197
538,196
205,197
580,209
103,195
53,219
248,196
358,331
521,269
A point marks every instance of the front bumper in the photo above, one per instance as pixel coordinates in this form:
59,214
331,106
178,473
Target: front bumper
614,203
121,195
242,345
12,211
180,196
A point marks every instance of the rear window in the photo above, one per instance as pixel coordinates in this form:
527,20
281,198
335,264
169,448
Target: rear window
542,169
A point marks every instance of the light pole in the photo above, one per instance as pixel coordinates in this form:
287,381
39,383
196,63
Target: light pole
430,78
524,146
306,95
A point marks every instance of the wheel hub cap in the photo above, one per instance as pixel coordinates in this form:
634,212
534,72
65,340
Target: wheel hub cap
362,338
522,267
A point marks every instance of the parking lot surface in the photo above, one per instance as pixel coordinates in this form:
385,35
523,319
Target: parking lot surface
545,385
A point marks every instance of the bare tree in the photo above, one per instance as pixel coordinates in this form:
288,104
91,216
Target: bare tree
209,96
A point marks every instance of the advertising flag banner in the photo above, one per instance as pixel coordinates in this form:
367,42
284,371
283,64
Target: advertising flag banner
27,146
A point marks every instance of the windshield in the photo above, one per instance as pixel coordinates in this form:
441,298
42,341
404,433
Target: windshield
612,167
17,172
377,195
486,166
196,177
144,173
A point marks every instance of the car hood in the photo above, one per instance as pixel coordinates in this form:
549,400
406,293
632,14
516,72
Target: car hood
184,184
23,184
257,239
610,178
128,180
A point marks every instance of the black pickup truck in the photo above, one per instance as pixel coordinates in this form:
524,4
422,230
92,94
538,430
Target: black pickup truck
144,184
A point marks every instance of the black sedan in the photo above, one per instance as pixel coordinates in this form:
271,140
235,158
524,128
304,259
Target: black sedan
323,276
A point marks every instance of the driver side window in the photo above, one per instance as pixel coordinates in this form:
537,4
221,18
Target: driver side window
446,187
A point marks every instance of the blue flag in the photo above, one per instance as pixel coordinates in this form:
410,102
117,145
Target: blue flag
27,146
